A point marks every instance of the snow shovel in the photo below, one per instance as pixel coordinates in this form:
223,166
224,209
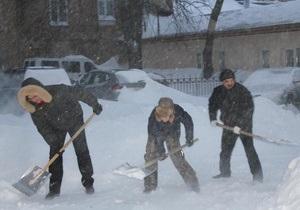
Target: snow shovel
142,171
33,179
277,141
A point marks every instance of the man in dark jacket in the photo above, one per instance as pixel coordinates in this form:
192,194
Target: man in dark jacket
164,126
236,106
55,111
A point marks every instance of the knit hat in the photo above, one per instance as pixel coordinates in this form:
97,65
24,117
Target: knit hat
165,108
226,74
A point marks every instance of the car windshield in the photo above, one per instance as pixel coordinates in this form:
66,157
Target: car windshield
94,78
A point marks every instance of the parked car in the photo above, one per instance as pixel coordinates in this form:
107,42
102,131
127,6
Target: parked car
75,65
291,94
11,80
103,84
131,78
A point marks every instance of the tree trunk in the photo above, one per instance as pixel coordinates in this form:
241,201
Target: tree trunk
131,19
208,49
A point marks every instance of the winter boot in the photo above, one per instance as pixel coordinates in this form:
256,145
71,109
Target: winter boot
258,177
54,190
52,194
221,176
89,190
195,188
149,188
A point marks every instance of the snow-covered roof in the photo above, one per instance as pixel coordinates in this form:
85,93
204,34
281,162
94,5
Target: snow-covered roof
237,19
270,15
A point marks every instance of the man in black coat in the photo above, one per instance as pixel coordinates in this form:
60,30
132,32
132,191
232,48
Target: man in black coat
164,126
55,111
236,106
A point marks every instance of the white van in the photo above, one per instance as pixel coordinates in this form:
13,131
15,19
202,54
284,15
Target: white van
55,62
75,65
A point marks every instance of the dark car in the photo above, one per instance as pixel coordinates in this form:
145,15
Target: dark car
292,96
10,84
103,84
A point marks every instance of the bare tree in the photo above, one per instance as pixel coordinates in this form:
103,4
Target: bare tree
186,21
130,14
186,11
210,37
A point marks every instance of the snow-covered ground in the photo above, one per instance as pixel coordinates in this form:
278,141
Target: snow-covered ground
119,135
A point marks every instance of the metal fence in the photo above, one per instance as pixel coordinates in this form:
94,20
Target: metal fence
192,86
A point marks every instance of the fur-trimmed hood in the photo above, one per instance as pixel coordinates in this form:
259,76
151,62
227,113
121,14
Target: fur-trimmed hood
31,86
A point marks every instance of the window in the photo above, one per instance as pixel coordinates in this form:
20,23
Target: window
100,78
289,58
26,63
88,66
1,21
106,10
265,59
32,63
297,61
222,60
199,60
50,63
59,12
71,66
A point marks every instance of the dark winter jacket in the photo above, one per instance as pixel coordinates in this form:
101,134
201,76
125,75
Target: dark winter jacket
236,106
62,111
159,131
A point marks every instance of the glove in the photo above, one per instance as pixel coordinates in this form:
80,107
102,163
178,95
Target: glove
236,130
162,156
214,123
97,109
189,142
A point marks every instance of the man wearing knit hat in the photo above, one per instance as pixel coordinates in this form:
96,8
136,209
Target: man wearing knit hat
55,111
164,126
236,106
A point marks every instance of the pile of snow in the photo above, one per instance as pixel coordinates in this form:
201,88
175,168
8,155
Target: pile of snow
271,83
48,76
111,63
288,192
132,75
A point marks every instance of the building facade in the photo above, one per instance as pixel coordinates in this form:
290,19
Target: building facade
246,44
56,28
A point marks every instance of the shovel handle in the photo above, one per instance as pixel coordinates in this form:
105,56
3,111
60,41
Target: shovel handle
241,132
279,141
151,162
67,143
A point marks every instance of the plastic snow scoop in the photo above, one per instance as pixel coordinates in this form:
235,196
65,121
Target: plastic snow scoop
274,141
33,179
141,172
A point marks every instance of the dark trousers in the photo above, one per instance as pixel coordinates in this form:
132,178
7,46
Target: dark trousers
185,170
83,158
228,142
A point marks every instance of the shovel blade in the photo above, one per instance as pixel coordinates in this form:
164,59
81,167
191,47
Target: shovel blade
132,172
32,180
